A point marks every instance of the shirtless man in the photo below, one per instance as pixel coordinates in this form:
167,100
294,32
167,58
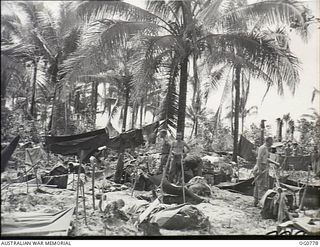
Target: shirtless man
177,149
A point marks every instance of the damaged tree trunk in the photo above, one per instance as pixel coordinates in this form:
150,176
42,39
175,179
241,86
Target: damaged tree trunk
236,114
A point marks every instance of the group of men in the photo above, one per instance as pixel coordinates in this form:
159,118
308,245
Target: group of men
261,169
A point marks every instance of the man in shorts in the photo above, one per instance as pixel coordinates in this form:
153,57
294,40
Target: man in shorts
177,151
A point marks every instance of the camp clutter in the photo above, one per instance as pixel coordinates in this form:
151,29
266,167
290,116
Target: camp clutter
68,188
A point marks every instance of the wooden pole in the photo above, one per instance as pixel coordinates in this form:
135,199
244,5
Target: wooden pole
35,173
182,178
78,184
93,178
84,203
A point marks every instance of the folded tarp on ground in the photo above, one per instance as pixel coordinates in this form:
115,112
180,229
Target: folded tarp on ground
180,217
246,149
245,187
74,144
38,224
7,152
172,189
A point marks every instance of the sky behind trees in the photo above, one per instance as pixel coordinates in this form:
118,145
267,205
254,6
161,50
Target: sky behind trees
274,105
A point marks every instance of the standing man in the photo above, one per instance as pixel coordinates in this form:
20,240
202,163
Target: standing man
295,149
261,171
177,150
165,150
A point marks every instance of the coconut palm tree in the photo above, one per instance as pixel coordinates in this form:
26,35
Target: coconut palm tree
183,36
45,42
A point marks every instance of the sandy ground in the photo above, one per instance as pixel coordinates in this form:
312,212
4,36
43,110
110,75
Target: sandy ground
229,213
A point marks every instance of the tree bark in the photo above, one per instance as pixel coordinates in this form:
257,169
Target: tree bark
242,123
126,105
196,127
141,112
94,103
236,114
33,112
132,116
182,95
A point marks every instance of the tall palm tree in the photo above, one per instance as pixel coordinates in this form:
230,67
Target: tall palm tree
44,41
182,33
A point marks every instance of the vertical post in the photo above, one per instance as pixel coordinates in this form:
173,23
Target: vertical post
84,203
182,178
93,178
78,183
35,173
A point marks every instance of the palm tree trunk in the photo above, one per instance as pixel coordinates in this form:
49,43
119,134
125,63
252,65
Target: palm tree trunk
196,79
242,123
196,127
126,105
192,129
34,89
232,106
66,127
236,114
54,118
133,116
94,103
182,96
141,112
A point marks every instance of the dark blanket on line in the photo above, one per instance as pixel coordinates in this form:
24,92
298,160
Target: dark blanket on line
86,144
7,152
246,149
129,139
72,145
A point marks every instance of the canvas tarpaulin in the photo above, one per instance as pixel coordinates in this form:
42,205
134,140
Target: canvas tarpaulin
8,151
150,128
83,144
150,131
246,149
129,139
299,163
33,155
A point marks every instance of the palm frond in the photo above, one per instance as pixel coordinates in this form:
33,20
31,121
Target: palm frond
278,65
114,32
93,10
11,22
271,11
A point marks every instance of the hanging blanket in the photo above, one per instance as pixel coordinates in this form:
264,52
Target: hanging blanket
129,139
83,145
246,149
